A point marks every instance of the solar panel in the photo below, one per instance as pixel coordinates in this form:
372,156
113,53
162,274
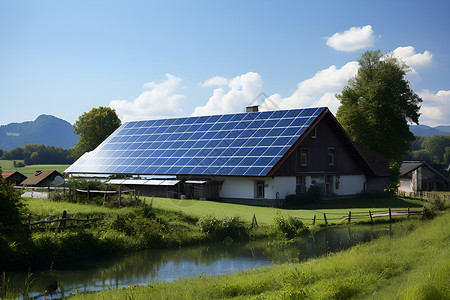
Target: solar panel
234,144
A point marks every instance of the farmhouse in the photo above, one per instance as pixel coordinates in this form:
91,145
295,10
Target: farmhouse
43,179
14,177
256,156
416,176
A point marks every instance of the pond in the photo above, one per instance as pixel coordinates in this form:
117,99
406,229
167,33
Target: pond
171,264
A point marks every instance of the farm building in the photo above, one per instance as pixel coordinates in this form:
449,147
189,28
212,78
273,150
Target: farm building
14,177
416,176
43,179
259,157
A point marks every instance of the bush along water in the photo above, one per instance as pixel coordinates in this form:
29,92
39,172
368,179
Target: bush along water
290,227
226,230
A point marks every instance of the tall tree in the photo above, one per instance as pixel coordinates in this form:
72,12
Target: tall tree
94,127
377,105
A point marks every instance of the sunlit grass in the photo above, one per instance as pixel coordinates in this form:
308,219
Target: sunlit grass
336,210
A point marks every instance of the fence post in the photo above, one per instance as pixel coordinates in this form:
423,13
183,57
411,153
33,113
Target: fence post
408,212
325,218
254,221
390,215
29,222
63,222
349,217
104,197
314,220
120,194
370,214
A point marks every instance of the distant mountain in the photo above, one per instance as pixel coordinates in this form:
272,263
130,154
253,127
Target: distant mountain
428,131
46,129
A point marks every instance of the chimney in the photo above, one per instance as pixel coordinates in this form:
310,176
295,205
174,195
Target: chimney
253,108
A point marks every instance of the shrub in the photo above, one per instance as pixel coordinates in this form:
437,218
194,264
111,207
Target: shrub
12,210
229,229
290,226
313,195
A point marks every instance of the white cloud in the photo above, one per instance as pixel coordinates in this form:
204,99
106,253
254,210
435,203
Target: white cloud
158,100
215,81
435,108
239,92
355,38
320,89
413,59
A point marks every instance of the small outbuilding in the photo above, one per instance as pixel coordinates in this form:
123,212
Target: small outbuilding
416,176
14,177
43,179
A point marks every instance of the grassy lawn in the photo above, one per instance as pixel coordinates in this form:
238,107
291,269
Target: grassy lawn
335,210
54,209
7,166
413,263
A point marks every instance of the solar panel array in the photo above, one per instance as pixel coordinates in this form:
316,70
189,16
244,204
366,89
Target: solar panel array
246,144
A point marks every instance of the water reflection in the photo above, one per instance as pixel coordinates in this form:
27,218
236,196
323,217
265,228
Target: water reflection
169,265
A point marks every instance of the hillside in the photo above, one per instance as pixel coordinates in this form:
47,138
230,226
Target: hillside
428,131
46,129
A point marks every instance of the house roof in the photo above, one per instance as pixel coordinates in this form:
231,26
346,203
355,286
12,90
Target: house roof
39,176
7,174
409,166
244,144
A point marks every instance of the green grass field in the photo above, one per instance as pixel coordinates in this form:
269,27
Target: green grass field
8,166
335,210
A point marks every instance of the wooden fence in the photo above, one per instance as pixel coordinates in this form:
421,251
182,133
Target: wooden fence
425,196
62,223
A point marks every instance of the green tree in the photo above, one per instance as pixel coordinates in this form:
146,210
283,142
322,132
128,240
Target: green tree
93,128
377,105
436,146
447,155
12,209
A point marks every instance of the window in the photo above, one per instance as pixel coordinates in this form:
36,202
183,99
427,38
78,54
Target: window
314,133
304,157
259,191
331,156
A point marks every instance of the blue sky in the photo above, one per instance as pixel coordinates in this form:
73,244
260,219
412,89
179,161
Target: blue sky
153,59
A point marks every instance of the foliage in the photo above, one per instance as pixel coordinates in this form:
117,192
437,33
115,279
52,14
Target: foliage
394,177
11,208
433,150
313,195
94,127
229,229
39,154
290,226
377,104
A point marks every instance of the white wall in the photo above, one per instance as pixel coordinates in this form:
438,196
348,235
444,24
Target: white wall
282,185
350,184
237,187
244,187
405,185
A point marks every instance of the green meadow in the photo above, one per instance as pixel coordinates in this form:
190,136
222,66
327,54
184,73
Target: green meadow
336,210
